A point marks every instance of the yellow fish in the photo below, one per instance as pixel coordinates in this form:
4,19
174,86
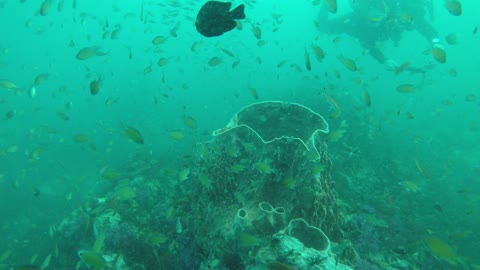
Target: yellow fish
92,259
454,7
406,88
177,135
134,135
439,54
332,5
441,250
409,186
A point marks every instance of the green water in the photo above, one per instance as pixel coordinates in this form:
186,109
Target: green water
406,168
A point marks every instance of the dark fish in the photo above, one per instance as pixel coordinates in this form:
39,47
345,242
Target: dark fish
215,18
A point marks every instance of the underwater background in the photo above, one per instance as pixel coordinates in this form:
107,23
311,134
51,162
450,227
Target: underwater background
108,101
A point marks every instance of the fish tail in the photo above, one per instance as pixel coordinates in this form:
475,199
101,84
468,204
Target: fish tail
238,13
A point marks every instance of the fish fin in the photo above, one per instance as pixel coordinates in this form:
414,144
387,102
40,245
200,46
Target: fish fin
238,13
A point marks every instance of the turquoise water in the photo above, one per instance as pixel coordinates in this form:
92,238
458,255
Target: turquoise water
405,168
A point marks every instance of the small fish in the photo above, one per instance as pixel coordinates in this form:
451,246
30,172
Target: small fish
227,52
441,250
402,67
318,53
257,32
81,138
406,88
307,60
32,92
178,226
7,84
95,86
409,186
366,98
183,174
10,114
470,98
451,39
134,135
40,78
45,7
332,101
348,63
173,31
422,169
89,52
159,40
46,262
454,7
215,18
196,46
214,61
263,167
331,5
92,259
177,135
190,122
475,30
115,33
439,54
36,192
253,92
162,62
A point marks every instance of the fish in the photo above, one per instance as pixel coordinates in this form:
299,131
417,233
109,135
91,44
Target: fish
158,40
406,88
441,250
7,84
214,61
227,52
332,101
215,18
183,174
454,7
95,86
134,135
263,167
308,65
409,186
402,67
331,5
439,54
177,135
190,122
257,32
92,259
80,138
40,78
475,30
348,63
253,92
422,169
162,62
10,114
89,52
470,98
318,52
366,98
451,39
45,7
